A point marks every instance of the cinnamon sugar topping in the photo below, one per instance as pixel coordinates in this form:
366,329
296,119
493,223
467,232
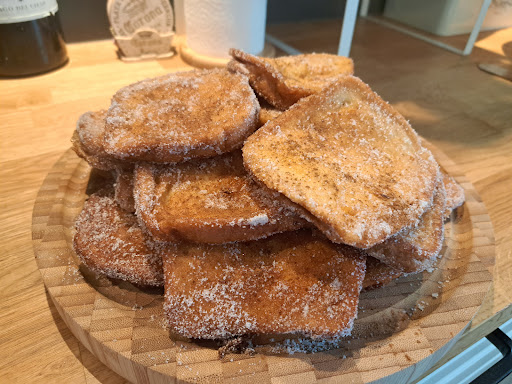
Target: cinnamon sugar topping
179,116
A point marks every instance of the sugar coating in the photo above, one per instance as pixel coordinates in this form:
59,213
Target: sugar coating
306,345
91,128
208,200
267,114
179,116
109,241
349,159
379,274
88,142
294,282
284,80
311,72
123,189
416,249
454,194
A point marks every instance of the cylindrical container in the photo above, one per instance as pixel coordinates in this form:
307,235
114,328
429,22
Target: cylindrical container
215,26
179,17
31,39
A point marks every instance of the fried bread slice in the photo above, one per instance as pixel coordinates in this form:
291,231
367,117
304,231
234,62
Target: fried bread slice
454,194
416,249
208,200
290,283
268,113
123,190
88,141
282,81
180,116
349,160
378,274
90,128
109,241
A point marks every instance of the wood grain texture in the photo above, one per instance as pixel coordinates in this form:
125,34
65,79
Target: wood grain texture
401,330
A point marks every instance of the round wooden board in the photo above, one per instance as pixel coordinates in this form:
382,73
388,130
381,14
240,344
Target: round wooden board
201,61
401,331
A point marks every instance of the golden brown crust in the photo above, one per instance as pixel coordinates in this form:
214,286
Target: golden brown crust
350,160
294,282
88,141
109,241
267,114
180,116
416,249
90,128
454,194
312,72
341,158
123,190
100,163
283,81
378,274
211,200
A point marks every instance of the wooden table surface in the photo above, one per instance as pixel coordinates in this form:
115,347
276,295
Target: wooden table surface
465,112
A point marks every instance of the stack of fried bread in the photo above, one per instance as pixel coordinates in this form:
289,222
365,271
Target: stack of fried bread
264,197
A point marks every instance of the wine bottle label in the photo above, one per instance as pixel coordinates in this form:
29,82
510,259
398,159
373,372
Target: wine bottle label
17,11
129,16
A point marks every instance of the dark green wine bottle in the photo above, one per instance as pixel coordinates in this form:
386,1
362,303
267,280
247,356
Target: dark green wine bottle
31,38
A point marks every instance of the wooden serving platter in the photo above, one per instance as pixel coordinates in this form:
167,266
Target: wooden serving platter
401,331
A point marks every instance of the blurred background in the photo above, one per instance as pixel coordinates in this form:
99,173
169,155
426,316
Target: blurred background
87,20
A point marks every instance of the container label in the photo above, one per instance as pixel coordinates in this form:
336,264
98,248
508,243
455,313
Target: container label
16,11
147,43
129,16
